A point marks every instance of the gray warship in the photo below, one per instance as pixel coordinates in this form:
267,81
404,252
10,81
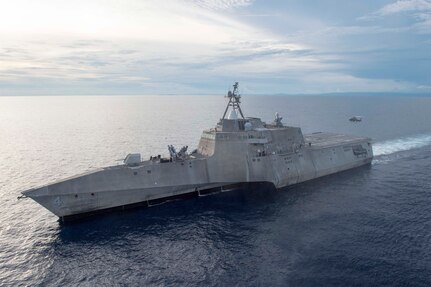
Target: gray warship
238,150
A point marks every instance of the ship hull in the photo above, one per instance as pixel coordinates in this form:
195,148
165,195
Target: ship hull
191,193
70,205
152,183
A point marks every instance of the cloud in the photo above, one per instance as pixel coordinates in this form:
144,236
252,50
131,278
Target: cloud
170,20
201,46
415,15
424,87
424,23
148,41
399,7
405,6
340,82
222,4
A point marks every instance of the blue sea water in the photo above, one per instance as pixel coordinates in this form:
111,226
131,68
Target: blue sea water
366,227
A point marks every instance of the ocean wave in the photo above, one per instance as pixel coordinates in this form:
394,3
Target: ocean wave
402,144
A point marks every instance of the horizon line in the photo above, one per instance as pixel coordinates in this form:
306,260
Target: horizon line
244,94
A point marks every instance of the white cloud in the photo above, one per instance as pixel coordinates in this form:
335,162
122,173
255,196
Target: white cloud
424,87
424,24
405,6
169,20
341,82
400,6
418,10
180,45
222,4
78,40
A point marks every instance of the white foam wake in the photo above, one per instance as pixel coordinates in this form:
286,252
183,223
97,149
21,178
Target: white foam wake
403,144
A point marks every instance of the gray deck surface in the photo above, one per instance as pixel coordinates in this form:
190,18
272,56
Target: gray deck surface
322,140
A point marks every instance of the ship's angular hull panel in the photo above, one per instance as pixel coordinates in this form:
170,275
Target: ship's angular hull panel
67,204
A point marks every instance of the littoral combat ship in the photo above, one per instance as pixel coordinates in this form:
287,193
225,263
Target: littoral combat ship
237,150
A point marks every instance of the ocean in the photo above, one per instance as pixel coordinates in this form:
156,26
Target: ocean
365,227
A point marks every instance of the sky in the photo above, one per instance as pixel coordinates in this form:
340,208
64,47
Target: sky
120,47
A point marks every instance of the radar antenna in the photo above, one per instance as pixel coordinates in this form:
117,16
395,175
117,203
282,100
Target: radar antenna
277,120
234,101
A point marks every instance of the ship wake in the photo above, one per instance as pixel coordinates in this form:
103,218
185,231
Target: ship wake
382,150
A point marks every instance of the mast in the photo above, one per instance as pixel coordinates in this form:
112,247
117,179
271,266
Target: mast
234,101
